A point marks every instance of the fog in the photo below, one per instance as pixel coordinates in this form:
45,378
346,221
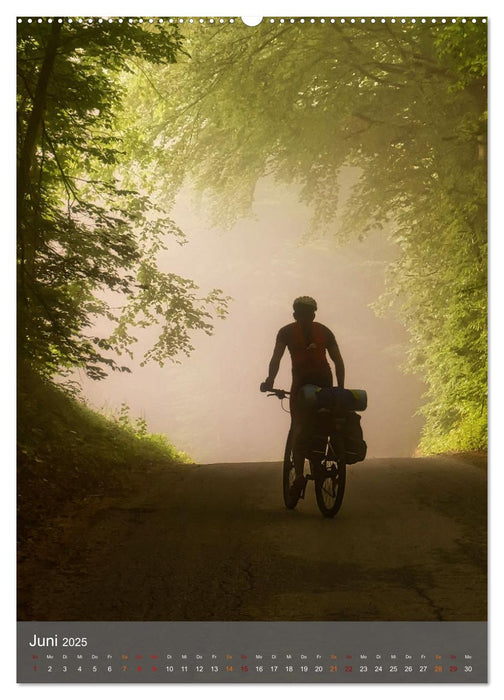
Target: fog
210,405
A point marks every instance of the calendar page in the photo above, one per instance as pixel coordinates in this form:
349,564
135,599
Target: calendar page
252,348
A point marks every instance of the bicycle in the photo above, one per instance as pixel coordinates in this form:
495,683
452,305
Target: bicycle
325,452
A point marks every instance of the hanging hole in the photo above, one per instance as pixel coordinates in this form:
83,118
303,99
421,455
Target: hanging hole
251,21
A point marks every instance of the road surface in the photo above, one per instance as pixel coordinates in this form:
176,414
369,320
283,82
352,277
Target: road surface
215,543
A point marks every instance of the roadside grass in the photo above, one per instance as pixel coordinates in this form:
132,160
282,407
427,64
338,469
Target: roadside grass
66,451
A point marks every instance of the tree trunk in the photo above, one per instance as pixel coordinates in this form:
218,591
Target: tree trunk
26,157
35,121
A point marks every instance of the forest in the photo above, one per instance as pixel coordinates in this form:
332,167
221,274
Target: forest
114,117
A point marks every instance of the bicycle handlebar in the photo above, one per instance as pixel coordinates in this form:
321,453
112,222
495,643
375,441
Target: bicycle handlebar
279,393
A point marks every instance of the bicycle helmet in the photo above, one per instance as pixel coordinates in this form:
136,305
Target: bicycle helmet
306,302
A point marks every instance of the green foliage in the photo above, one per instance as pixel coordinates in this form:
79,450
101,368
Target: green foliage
87,227
400,107
137,428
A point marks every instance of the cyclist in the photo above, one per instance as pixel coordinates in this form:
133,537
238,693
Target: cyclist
308,342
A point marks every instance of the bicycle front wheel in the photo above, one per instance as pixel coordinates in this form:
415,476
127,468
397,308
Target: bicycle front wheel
289,475
330,479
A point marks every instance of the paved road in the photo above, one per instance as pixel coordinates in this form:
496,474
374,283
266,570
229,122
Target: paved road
215,543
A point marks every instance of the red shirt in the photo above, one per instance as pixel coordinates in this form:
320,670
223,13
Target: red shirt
307,345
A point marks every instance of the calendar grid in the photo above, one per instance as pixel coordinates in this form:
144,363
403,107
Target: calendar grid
257,652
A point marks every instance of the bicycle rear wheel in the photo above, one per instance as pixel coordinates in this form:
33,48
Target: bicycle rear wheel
330,479
289,474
